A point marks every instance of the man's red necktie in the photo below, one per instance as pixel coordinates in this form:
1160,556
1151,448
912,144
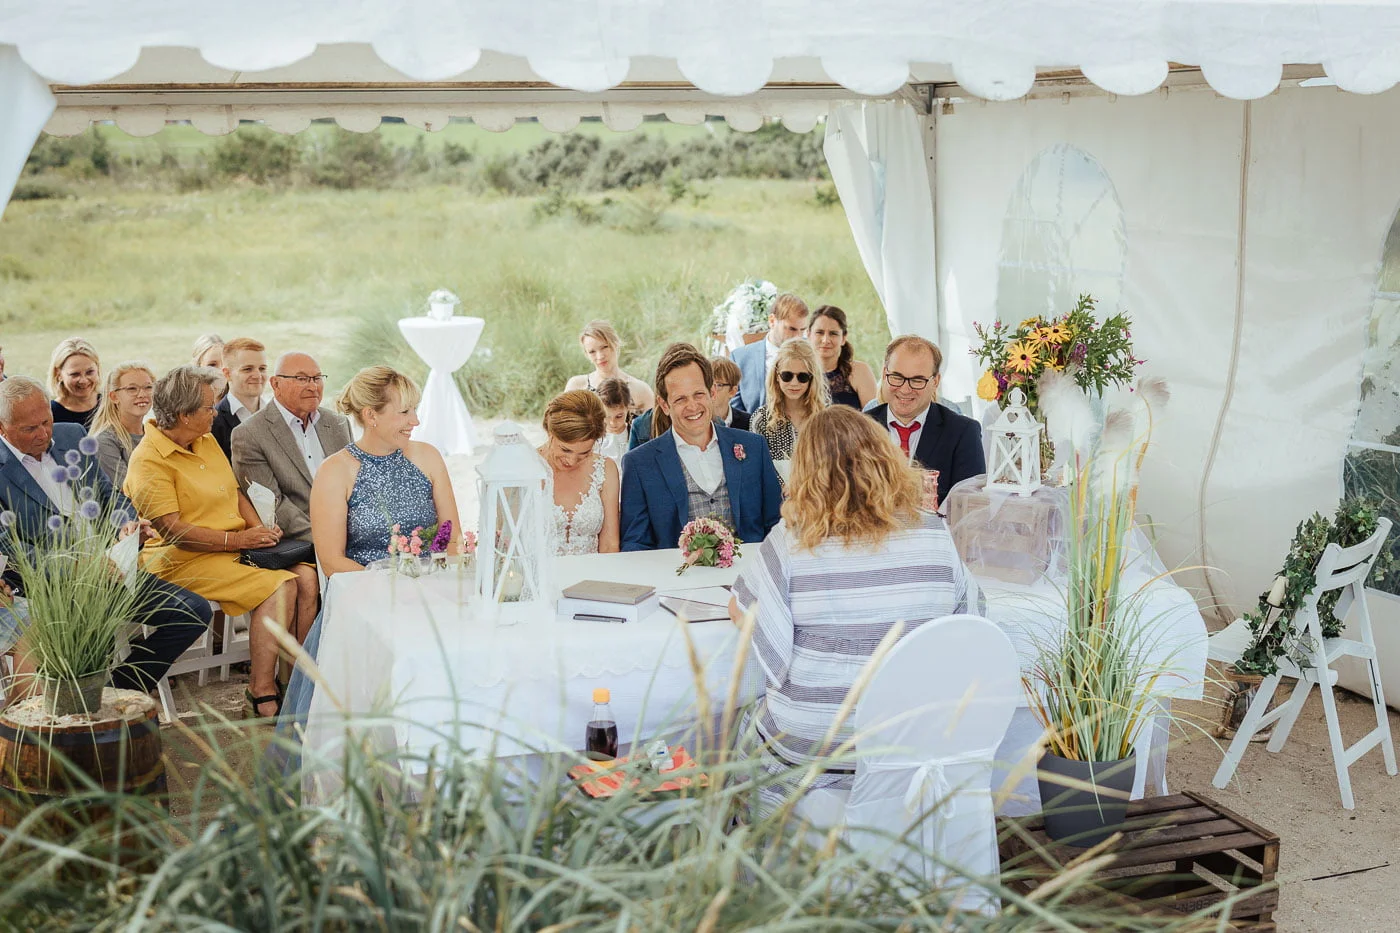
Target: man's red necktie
905,434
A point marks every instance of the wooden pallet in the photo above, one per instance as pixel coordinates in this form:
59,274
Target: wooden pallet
1177,854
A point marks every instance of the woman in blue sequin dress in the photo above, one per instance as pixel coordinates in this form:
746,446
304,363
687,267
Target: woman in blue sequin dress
381,480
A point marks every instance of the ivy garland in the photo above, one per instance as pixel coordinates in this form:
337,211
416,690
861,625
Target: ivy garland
1354,522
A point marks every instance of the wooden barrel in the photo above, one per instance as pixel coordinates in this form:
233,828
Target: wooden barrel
41,759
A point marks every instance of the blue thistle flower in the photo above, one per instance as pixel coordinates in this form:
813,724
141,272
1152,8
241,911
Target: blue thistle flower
72,458
55,522
7,518
119,518
73,472
89,510
88,445
87,493
59,474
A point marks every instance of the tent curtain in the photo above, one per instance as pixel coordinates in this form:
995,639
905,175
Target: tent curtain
25,106
876,155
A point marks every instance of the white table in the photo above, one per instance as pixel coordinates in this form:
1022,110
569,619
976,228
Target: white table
445,346
411,647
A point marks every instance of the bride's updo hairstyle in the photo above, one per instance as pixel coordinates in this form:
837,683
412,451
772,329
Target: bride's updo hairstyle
576,416
373,387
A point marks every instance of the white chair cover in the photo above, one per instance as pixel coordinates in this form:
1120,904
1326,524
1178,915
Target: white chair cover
927,729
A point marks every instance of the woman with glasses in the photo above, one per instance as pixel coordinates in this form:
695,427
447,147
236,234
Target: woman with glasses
850,381
120,422
796,390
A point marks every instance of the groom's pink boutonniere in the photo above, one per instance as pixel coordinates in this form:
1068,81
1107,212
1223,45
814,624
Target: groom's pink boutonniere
739,452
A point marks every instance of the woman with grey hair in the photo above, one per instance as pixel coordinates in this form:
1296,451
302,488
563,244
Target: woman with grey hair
182,483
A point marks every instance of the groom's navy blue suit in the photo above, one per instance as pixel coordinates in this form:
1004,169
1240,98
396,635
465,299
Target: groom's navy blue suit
656,506
176,616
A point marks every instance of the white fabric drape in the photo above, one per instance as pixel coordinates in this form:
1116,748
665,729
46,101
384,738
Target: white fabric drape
25,106
876,154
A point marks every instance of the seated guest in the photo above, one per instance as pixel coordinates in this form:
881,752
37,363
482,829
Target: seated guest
584,517
796,391
245,371
852,506
74,377
181,482
381,480
31,448
931,436
726,376
2,364
617,411
283,445
850,381
787,318
121,418
601,345
209,351
697,468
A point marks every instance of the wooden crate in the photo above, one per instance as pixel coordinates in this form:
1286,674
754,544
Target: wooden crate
1178,854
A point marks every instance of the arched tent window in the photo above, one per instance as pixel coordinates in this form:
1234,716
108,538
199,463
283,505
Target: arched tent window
1063,236
1373,457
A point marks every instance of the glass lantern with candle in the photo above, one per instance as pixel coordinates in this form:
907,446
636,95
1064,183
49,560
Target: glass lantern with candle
515,557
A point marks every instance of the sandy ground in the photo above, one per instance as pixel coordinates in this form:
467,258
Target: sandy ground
1293,793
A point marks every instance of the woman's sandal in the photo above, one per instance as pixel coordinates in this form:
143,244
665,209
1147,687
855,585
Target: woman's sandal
255,702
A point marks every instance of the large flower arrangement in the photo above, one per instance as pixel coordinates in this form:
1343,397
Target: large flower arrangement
744,310
1098,355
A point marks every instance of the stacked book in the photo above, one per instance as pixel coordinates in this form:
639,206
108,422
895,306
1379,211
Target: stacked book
600,601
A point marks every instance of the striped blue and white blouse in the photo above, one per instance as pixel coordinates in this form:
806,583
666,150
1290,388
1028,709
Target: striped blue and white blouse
822,613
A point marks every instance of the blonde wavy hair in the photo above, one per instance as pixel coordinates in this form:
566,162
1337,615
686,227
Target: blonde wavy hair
848,482
73,346
370,388
107,418
798,351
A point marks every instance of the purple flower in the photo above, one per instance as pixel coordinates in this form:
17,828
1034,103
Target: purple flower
72,458
89,510
88,445
59,474
55,522
442,538
1078,353
73,472
86,494
7,518
119,518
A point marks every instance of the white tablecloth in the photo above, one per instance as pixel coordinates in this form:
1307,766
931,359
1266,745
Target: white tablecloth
408,647
445,346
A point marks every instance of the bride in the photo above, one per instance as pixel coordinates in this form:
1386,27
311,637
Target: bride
586,484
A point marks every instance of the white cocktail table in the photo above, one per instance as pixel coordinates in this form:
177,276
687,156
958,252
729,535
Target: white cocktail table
445,346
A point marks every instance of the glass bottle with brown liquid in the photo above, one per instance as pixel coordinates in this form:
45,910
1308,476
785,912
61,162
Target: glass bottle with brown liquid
600,737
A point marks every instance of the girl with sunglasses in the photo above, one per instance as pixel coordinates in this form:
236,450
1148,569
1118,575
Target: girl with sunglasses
796,391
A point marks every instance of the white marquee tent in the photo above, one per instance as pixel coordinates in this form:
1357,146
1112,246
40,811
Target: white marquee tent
1224,171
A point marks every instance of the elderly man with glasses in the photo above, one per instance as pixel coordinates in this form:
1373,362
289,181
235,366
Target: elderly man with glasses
283,445
931,435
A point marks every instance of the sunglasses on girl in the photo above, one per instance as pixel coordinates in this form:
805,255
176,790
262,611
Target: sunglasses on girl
788,375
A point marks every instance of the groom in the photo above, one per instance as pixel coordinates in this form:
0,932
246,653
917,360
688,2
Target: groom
698,468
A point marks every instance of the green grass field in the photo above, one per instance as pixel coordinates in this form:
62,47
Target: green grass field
141,273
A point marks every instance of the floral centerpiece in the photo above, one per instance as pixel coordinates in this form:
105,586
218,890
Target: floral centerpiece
408,550
743,311
707,542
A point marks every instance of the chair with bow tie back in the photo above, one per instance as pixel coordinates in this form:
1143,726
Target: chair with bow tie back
927,731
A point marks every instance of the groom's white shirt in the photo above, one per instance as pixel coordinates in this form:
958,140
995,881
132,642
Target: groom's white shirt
705,465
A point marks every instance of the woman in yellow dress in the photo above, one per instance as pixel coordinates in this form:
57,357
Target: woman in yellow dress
180,481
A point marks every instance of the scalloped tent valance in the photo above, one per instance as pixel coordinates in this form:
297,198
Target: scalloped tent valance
732,48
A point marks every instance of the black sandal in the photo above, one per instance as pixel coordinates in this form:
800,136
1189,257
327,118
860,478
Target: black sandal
255,702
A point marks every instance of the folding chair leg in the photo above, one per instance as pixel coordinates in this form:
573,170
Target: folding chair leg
167,699
1296,701
1382,718
228,642
1339,749
1248,727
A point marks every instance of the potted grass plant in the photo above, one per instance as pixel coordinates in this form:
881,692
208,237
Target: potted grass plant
77,601
1094,685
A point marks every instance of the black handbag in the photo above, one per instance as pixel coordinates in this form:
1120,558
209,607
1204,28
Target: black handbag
283,555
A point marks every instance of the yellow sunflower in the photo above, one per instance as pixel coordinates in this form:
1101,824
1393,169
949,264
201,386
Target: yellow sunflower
987,388
1022,356
1054,333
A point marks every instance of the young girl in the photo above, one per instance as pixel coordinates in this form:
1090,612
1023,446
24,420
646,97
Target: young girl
617,403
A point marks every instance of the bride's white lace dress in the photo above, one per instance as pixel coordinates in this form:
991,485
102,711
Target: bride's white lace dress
576,531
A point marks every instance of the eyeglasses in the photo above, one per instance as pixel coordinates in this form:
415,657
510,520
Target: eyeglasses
724,385
788,375
917,383
318,379
136,390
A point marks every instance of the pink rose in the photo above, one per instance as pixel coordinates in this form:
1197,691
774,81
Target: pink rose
415,547
739,452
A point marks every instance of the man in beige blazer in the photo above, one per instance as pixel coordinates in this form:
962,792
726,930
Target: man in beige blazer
283,445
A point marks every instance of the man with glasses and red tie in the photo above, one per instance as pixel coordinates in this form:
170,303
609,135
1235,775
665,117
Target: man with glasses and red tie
932,436
283,445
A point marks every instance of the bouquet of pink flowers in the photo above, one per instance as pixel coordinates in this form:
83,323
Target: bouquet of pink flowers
707,542
420,540
468,543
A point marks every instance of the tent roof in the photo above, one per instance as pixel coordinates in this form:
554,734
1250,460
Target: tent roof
724,48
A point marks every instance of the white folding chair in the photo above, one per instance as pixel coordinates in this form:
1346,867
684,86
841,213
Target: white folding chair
201,657
1345,569
927,731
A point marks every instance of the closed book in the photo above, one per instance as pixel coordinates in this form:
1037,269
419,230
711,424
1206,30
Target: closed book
602,591
571,608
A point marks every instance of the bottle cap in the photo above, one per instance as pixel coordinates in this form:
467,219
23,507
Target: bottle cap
602,695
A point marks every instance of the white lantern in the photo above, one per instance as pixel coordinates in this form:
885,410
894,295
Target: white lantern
514,559
1014,465
442,304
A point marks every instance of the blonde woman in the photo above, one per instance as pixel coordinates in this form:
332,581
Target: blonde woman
601,345
74,377
209,351
120,422
853,555
796,391
586,483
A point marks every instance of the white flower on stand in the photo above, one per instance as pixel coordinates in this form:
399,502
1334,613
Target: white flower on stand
743,311
442,304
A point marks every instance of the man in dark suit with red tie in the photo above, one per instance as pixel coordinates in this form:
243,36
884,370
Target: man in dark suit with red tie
932,436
